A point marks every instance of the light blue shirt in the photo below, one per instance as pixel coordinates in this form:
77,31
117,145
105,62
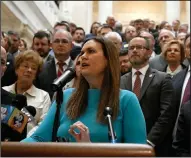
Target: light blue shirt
129,125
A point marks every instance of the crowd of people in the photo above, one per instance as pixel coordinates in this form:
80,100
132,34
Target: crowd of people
142,72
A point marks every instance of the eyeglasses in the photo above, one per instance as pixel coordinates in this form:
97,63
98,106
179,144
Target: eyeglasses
26,67
3,62
63,41
138,48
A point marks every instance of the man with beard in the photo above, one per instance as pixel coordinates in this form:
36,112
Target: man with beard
41,44
139,25
78,36
155,93
125,65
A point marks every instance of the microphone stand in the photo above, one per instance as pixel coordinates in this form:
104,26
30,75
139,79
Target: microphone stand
111,134
59,100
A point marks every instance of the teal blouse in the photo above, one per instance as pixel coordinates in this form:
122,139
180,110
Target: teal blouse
129,125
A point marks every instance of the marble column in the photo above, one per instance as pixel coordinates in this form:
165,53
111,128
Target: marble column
64,13
105,8
172,11
78,12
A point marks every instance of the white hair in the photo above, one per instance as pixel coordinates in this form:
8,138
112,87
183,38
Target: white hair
113,34
65,32
165,30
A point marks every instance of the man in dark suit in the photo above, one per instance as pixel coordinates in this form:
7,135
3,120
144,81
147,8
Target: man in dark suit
181,142
181,83
155,92
61,45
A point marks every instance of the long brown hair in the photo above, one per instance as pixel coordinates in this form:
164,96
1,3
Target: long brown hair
109,95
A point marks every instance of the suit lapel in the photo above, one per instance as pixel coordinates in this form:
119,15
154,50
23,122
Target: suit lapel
52,67
71,63
128,84
147,80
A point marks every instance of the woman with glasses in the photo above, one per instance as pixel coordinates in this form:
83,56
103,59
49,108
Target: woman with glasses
27,66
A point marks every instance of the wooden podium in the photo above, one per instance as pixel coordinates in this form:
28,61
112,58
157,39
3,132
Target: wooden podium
18,149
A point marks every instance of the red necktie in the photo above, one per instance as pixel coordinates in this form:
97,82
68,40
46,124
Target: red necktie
60,68
186,95
137,84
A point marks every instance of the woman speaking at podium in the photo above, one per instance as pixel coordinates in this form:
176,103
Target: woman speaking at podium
81,113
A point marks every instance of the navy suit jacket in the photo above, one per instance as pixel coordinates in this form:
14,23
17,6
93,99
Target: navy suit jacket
178,81
181,143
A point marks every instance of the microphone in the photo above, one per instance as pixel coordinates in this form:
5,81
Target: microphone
30,112
111,134
19,101
66,77
13,117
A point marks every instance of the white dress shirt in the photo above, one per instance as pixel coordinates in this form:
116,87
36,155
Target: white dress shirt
77,44
143,71
37,98
172,73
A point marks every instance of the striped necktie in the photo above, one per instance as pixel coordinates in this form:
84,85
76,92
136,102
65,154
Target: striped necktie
60,68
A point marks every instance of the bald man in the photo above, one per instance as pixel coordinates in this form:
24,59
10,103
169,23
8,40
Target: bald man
181,36
130,33
115,38
151,39
111,21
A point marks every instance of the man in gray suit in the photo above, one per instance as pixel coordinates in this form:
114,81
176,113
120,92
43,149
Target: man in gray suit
54,68
155,92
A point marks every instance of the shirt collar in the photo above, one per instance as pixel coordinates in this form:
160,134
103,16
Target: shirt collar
31,91
143,70
188,68
45,59
66,61
168,70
